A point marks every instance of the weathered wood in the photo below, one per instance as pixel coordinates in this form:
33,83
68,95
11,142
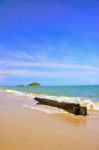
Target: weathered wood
70,107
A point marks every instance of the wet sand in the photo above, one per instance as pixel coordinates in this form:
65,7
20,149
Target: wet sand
27,129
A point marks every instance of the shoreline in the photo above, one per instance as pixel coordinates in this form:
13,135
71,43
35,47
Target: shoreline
92,106
24,128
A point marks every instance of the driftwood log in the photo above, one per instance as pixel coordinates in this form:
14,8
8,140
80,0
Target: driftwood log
70,107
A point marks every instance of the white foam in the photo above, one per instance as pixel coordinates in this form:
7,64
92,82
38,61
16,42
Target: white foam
18,93
89,103
46,109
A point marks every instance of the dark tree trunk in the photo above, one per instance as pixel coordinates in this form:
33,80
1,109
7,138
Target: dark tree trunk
70,107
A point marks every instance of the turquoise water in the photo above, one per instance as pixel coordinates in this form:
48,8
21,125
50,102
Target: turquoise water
84,95
89,91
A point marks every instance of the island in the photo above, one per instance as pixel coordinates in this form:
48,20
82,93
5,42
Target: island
20,85
34,84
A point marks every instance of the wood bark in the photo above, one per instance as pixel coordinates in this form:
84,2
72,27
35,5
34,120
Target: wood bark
73,108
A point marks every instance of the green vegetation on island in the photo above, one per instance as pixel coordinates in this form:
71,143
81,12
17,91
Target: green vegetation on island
34,84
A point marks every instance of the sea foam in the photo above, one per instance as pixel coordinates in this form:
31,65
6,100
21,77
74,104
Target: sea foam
89,103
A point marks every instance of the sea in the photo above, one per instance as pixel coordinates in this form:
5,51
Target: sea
85,95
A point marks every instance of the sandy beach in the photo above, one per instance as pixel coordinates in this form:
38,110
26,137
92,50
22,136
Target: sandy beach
27,129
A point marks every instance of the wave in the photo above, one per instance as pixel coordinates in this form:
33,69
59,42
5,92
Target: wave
43,108
89,103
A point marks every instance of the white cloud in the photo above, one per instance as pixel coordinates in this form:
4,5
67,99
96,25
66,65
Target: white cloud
2,75
25,64
31,73
23,55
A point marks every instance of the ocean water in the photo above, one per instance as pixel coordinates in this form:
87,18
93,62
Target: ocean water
84,95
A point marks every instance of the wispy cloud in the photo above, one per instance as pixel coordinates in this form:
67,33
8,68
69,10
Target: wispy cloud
31,73
3,73
33,54
54,65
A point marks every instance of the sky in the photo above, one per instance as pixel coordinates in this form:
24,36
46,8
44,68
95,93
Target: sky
54,42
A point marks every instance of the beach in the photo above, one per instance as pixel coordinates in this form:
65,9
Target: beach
26,129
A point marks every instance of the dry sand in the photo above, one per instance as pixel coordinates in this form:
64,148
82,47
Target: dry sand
26,129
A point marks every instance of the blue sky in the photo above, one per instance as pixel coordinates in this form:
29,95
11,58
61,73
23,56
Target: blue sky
52,42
